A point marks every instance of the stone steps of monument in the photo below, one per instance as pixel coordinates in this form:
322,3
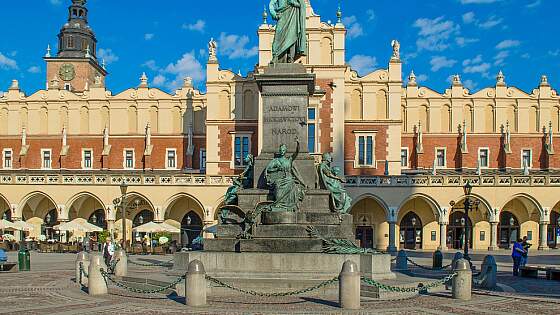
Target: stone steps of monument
300,231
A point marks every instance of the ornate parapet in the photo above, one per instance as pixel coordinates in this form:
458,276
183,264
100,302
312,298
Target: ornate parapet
453,180
47,178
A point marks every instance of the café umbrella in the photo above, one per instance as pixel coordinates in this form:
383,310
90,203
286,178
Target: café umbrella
150,227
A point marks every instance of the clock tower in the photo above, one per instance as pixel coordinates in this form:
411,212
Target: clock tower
75,66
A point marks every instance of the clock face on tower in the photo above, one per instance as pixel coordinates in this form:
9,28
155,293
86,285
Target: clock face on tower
67,72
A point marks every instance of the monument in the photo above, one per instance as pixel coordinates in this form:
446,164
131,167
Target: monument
283,208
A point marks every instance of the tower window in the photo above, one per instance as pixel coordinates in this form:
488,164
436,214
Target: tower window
70,43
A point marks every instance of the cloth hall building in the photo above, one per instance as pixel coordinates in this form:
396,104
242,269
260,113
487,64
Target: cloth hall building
405,149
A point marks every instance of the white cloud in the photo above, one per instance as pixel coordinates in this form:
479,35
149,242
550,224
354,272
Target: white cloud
107,55
173,75
434,34
235,46
508,43
470,84
371,14
363,64
463,41
478,1
354,29
554,53
198,26
421,78
34,69
499,59
476,65
55,2
490,22
440,62
149,36
468,18
526,56
533,4
151,64
7,63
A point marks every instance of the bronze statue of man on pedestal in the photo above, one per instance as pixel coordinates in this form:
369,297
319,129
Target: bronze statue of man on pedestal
290,40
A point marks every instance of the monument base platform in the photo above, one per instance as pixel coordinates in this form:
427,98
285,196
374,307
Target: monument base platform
275,272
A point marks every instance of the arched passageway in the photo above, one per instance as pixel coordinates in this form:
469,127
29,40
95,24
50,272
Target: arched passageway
370,224
185,212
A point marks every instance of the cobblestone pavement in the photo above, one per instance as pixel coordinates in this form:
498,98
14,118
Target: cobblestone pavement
52,291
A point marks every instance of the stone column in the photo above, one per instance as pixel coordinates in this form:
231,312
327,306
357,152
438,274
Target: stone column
462,282
442,236
493,236
543,239
392,237
195,290
349,286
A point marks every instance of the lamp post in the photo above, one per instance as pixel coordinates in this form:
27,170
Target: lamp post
123,187
469,205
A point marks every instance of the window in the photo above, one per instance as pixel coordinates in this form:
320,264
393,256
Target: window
128,159
87,159
7,158
312,130
365,149
203,159
483,157
68,86
47,159
404,157
242,144
526,158
70,42
171,159
441,160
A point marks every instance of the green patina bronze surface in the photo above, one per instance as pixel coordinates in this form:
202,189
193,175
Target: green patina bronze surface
290,41
285,181
331,180
243,181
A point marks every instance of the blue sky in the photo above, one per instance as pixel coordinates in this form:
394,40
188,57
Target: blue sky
168,38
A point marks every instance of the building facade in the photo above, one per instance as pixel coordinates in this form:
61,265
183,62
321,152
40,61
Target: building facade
406,150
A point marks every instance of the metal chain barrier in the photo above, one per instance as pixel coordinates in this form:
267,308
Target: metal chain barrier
122,285
427,268
418,289
160,264
274,294
82,272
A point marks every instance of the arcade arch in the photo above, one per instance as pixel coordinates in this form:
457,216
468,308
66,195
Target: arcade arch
370,223
417,224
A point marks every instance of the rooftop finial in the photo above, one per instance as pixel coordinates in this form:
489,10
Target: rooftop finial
544,80
48,54
144,80
265,15
412,79
396,50
212,49
500,79
103,64
339,14
457,80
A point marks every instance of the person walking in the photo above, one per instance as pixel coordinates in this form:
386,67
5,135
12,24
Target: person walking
516,254
526,245
108,252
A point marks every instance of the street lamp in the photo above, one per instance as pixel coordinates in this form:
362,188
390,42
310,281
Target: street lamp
468,205
124,188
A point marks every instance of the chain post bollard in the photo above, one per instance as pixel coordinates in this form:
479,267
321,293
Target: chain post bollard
82,261
402,261
96,281
458,255
121,267
462,282
437,260
488,273
349,286
195,284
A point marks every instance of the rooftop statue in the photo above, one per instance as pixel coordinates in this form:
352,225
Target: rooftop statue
290,41
285,181
331,180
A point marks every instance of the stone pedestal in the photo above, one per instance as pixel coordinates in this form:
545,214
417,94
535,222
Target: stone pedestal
285,91
275,272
